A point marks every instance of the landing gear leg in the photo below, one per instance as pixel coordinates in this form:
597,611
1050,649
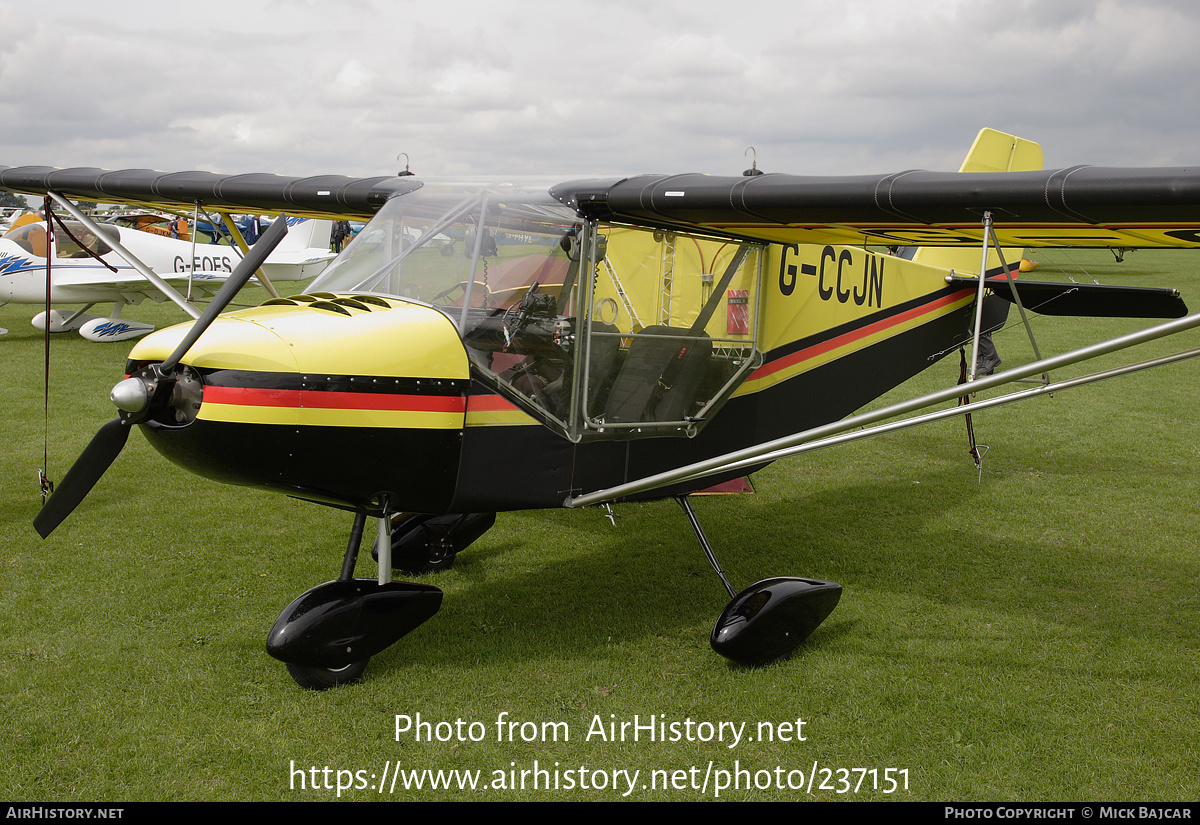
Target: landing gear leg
327,635
704,545
768,620
429,544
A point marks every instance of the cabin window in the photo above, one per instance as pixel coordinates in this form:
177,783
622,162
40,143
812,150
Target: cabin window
31,237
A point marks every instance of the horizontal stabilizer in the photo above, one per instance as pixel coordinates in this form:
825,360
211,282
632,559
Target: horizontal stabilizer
1093,300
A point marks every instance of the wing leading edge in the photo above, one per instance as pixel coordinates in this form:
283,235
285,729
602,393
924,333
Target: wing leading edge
319,196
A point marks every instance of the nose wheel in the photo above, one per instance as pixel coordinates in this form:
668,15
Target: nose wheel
327,636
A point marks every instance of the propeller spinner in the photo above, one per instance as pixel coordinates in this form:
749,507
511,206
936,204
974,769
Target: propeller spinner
159,389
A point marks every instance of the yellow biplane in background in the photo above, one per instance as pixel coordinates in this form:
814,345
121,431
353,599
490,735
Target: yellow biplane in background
515,346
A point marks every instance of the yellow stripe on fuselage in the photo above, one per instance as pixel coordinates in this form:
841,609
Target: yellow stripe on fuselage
308,417
496,411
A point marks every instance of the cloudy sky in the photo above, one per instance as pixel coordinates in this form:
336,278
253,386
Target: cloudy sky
603,87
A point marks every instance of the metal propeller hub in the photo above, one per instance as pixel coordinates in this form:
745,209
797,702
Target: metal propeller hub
131,395
172,399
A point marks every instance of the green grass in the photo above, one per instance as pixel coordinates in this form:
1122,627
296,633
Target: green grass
1030,636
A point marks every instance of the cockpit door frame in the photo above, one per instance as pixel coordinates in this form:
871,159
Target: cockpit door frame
743,353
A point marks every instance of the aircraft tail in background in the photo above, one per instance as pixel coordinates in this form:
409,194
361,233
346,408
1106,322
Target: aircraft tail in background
305,233
303,252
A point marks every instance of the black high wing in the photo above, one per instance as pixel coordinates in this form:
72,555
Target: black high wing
1079,206
258,192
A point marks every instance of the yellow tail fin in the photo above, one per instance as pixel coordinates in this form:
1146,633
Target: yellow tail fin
992,151
998,152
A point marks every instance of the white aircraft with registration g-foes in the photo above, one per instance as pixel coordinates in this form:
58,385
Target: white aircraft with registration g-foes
492,347
91,265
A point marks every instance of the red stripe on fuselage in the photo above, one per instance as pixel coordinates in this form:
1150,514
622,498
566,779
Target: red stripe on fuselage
491,403
317,399
855,335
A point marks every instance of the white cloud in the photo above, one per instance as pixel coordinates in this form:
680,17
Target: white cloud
566,87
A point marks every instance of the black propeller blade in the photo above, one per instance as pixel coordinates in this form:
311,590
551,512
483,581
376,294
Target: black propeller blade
110,440
103,449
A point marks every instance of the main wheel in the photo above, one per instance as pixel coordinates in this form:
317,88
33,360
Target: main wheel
324,678
429,544
433,555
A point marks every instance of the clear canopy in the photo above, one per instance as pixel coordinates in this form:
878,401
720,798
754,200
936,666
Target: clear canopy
438,244
32,238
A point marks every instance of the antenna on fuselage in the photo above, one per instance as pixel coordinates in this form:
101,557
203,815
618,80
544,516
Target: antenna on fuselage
406,173
753,171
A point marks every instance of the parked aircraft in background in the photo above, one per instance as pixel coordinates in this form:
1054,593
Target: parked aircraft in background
86,269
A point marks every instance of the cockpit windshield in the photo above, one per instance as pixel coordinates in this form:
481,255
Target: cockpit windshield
459,248
603,331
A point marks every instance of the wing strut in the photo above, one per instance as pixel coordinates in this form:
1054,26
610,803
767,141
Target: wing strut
830,434
240,243
129,258
989,239
192,268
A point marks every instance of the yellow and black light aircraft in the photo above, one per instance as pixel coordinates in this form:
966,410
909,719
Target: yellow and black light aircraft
509,346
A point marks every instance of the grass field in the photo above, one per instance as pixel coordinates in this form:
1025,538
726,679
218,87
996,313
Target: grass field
1031,635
